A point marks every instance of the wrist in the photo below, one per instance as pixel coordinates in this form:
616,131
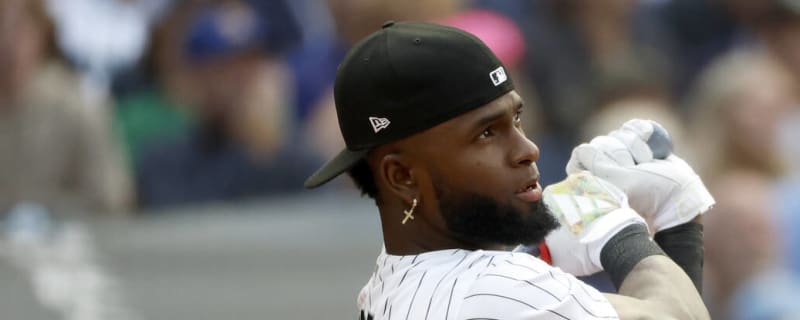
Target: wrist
606,228
626,249
684,245
577,249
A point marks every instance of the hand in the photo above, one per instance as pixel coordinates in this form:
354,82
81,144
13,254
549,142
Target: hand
591,211
667,192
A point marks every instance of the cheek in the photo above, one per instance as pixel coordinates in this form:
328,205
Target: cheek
485,175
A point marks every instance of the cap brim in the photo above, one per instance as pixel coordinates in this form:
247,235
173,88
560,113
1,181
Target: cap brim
341,163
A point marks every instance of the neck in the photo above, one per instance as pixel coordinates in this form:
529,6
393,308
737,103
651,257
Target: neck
421,235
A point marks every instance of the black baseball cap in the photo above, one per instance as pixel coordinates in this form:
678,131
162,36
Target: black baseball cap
403,79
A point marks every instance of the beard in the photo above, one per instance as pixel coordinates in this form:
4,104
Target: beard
481,219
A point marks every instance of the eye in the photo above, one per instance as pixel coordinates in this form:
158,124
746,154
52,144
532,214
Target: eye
518,118
486,133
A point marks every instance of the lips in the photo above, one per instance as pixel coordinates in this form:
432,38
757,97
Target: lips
530,192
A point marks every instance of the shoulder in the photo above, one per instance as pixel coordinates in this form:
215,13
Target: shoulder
520,286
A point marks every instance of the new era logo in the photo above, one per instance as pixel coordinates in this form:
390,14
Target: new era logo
498,76
379,124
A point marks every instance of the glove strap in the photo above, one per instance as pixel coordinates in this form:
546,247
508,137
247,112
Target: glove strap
684,244
623,251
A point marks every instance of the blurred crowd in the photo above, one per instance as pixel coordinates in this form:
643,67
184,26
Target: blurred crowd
127,106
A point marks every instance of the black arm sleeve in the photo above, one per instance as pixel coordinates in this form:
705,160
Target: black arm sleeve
625,250
684,245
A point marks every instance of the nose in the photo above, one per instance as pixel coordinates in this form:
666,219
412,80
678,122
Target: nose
525,152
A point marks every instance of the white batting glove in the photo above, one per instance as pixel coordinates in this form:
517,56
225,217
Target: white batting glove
591,211
667,192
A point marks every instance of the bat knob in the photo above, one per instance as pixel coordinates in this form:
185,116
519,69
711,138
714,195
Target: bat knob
660,142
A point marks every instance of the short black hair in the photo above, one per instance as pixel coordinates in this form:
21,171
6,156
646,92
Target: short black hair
361,174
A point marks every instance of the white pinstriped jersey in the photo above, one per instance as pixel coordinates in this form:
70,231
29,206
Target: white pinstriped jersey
460,284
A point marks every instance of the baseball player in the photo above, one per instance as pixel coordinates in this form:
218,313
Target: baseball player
432,126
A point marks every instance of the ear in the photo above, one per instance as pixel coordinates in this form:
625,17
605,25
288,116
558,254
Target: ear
397,175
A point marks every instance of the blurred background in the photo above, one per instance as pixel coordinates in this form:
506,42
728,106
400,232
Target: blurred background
152,152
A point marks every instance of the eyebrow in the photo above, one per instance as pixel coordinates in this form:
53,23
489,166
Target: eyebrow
492,117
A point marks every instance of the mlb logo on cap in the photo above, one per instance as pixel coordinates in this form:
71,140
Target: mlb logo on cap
498,76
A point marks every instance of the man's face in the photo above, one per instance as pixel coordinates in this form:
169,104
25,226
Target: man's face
481,171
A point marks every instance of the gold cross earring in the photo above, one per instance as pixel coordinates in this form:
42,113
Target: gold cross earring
410,212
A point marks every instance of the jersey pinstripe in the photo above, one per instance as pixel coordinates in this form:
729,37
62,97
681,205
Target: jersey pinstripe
460,284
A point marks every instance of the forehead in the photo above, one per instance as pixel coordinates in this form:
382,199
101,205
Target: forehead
443,135
506,103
